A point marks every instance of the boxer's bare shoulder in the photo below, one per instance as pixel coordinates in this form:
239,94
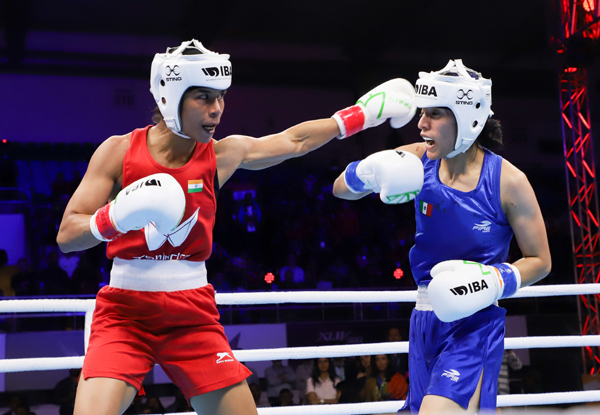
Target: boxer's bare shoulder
103,178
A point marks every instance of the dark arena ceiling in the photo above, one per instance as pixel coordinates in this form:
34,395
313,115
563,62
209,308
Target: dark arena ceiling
325,43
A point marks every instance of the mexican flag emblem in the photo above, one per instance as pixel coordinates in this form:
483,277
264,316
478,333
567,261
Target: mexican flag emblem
425,208
195,186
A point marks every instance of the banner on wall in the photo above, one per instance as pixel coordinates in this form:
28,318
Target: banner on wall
351,332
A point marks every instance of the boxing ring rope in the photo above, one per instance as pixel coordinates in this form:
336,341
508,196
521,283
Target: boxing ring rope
87,307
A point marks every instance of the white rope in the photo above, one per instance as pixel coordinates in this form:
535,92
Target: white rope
87,306
393,406
40,363
46,306
311,352
301,297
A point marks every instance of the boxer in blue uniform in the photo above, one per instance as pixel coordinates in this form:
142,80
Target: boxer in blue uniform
469,204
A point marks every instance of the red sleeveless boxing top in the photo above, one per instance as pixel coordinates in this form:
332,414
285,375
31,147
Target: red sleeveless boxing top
192,239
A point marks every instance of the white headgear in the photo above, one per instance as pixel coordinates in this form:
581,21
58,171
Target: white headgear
465,92
187,65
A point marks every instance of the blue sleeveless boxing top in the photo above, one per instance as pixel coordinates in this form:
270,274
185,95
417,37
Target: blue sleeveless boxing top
452,224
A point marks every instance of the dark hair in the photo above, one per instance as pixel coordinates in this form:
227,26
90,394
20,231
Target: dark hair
491,135
389,371
157,116
316,373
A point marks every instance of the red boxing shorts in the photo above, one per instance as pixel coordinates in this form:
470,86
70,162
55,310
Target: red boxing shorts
179,330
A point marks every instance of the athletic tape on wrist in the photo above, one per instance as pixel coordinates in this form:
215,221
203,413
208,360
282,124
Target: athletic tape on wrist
103,224
511,277
353,119
353,182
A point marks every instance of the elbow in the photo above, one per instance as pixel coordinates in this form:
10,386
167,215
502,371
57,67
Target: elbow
62,243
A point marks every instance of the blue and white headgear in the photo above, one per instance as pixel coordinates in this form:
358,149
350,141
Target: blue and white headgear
465,92
188,65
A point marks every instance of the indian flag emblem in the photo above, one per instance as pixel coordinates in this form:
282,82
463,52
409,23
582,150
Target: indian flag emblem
425,208
195,186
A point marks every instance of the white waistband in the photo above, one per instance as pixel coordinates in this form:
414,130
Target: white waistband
423,303
155,275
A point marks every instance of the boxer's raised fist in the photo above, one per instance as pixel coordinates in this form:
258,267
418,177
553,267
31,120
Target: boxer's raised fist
157,198
396,175
394,99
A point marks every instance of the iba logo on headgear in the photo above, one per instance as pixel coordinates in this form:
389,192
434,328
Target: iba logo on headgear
215,71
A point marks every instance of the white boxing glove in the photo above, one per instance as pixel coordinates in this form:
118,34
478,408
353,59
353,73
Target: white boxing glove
394,99
396,175
461,288
157,198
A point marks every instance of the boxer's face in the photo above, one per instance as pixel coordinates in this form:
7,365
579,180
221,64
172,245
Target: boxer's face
438,129
201,110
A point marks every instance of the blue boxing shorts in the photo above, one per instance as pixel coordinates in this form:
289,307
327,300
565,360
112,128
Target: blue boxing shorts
446,359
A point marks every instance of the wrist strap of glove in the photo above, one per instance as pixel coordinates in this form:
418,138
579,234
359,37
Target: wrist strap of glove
101,225
353,182
350,120
511,277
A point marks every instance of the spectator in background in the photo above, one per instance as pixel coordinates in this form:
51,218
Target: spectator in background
60,187
9,172
297,273
153,405
180,404
510,361
256,394
358,373
74,182
249,214
54,280
286,397
68,261
303,372
24,282
278,377
339,366
64,392
385,383
399,360
320,386
86,278
6,274
14,403
219,283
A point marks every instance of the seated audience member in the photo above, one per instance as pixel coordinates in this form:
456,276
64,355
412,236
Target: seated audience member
64,392
385,383
286,397
24,282
180,404
303,372
320,387
256,394
278,377
153,405
399,360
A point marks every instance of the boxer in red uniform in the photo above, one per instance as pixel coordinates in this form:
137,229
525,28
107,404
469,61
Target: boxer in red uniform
160,183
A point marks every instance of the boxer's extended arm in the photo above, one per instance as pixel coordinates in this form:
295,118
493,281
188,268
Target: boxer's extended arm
340,186
100,184
238,151
392,100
